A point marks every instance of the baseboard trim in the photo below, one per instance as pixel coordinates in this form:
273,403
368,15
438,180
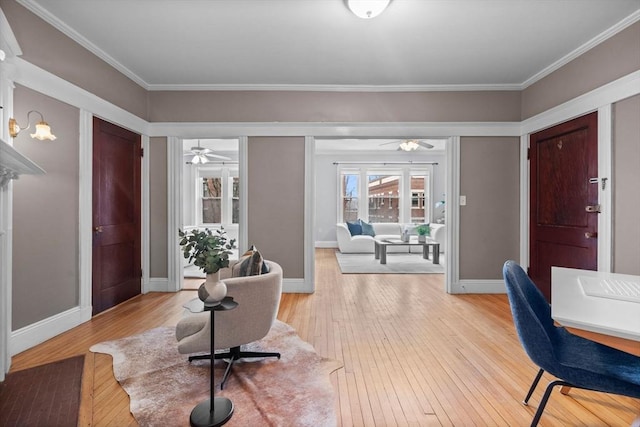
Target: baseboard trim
157,284
296,286
37,333
327,244
479,287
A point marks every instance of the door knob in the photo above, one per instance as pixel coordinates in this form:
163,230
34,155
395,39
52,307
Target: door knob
590,235
98,229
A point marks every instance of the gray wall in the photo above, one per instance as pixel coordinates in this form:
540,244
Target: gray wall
263,106
489,223
158,209
610,60
275,200
45,214
626,182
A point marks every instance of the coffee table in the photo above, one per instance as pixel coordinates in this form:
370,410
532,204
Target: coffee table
381,246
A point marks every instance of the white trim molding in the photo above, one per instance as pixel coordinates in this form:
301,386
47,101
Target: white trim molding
479,287
452,215
334,129
145,229
36,333
605,182
85,207
309,214
524,201
174,213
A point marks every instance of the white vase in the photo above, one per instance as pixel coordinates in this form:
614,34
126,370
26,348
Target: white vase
422,238
213,290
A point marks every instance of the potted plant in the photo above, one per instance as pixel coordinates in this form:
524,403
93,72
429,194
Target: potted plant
423,231
210,252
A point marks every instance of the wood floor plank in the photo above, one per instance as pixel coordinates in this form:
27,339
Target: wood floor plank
412,354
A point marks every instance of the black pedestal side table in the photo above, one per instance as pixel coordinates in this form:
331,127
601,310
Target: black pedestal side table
205,414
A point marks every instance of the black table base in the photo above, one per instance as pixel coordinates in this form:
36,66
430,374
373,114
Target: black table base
203,416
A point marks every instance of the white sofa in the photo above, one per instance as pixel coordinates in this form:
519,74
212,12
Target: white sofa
383,230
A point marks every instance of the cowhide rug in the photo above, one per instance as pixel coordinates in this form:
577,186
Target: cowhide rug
164,387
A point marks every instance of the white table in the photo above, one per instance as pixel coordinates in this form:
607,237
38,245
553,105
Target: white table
612,322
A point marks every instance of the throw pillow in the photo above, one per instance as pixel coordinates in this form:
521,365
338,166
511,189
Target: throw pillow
367,229
355,228
251,263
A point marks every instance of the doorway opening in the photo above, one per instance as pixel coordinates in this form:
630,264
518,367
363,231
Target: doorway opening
377,181
211,194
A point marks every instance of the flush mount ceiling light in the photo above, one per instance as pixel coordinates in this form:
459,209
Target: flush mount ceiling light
367,9
43,130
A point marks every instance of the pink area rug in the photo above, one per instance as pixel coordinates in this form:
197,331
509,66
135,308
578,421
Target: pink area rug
164,387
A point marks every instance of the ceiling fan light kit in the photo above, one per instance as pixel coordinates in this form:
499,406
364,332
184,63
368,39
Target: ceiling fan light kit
367,9
409,145
201,155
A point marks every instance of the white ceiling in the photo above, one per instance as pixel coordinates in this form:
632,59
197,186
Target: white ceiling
320,44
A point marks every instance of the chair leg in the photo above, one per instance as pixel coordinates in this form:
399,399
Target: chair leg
200,357
525,402
545,398
232,356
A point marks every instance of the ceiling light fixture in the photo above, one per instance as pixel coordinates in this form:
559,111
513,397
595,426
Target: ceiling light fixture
408,145
43,130
367,9
199,159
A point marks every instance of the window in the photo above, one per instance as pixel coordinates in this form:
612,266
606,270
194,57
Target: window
420,205
383,194
211,200
219,201
384,197
349,199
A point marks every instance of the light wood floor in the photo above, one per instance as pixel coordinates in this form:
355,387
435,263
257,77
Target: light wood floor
412,354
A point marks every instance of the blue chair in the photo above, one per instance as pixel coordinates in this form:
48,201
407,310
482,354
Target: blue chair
575,361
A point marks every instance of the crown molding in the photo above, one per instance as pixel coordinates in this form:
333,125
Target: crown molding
337,88
629,20
81,40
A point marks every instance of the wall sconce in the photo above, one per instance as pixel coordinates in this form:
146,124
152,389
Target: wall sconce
43,130
367,9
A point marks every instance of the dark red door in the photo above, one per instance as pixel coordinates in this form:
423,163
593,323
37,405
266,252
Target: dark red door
116,215
564,185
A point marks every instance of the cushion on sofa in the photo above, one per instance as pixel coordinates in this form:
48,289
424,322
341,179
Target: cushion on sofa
355,228
367,229
387,228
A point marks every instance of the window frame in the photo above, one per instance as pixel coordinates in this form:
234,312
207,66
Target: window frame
227,175
404,172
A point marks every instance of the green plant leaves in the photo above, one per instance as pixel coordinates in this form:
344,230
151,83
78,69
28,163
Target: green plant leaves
207,250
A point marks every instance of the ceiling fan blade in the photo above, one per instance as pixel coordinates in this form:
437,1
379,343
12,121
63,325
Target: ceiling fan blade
200,150
392,142
217,156
425,144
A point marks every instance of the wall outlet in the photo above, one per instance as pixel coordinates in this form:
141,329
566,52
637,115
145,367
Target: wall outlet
463,200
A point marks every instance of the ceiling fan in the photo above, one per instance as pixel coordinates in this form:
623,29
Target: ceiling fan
202,155
410,144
